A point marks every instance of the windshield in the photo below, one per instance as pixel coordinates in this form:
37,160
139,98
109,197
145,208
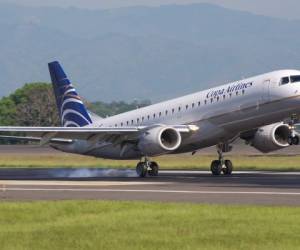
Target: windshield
295,79
285,80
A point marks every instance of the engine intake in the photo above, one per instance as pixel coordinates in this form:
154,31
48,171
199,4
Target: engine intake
272,137
159,140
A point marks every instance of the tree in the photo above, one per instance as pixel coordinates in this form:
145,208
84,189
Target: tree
7,112
36,105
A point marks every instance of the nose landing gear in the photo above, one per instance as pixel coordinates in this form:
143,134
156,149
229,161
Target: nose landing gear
293,138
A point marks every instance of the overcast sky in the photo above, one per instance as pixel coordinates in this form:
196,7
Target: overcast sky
278,8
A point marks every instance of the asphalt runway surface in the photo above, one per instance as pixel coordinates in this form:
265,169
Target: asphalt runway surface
257,188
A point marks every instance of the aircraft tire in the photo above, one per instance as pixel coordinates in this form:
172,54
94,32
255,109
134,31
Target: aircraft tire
154,169
216,167
295,140
141,169
228,168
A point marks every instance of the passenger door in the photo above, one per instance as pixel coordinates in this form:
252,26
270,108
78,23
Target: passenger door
266,91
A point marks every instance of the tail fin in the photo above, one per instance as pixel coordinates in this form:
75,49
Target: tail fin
71,109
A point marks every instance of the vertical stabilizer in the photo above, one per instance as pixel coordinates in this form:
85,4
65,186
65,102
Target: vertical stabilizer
71,109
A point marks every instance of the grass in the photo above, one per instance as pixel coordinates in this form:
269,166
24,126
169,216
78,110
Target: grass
138,225
201,162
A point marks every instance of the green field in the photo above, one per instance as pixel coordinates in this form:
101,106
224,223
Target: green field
202,162
137,225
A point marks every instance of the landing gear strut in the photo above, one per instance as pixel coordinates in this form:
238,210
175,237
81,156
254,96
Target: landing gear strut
147,167
221,165
293,138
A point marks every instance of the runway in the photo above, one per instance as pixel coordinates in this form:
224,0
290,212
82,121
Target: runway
259,188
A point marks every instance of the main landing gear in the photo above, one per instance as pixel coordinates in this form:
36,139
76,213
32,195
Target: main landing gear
222,166
147,167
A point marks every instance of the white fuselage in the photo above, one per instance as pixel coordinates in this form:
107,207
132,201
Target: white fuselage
221,113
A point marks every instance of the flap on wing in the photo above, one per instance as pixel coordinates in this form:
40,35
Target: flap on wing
33,139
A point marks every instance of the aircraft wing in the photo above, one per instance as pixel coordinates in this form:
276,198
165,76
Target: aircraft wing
67,134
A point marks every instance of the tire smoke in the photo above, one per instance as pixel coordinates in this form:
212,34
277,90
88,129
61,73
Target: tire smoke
93,173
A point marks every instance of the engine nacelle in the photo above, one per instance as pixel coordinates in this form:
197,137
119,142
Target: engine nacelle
272,137
159,140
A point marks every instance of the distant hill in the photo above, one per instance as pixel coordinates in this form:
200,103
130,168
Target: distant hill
142,52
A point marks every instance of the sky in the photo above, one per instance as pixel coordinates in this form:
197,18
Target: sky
287,9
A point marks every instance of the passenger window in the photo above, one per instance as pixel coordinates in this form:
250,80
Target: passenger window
295,79
285,80
199,103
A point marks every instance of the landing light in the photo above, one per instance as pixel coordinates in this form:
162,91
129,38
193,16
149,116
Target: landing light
193,128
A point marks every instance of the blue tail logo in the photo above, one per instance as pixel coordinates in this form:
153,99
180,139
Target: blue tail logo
71,108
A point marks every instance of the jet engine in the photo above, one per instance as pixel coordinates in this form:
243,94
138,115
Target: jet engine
159,140
272,137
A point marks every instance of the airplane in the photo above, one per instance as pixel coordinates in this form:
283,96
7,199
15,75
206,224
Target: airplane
260,110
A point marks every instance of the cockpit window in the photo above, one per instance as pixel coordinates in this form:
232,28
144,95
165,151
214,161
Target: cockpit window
295,79
285,80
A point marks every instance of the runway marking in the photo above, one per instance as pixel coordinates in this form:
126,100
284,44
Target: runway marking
77,183
234,173
5,189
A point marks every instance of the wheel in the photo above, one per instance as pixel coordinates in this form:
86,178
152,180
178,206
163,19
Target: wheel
295,140
228,168
153,169
141,169
216,168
